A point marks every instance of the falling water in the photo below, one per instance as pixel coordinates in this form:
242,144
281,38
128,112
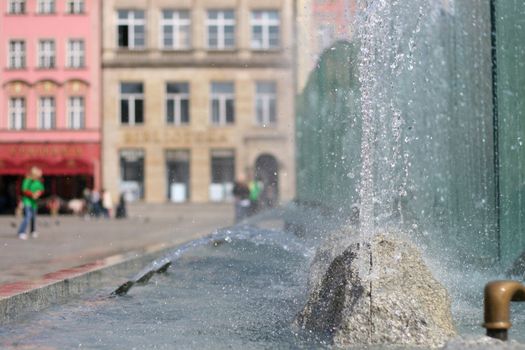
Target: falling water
388,36
419,110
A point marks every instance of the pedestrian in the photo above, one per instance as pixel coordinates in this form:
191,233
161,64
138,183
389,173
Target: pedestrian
255,188
121,208
32,190
86,196
96,203
241,194
107,204
53,204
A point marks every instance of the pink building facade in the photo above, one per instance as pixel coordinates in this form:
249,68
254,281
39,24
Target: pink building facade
332,21
50,102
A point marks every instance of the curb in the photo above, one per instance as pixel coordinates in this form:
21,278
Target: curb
18,299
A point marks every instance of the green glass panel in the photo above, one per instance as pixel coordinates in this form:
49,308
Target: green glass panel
444,155
510,43
329,132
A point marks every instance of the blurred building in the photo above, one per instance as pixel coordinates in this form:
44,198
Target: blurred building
319,24
50,95
197,94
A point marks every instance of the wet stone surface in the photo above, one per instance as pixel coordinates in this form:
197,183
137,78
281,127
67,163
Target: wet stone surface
376,293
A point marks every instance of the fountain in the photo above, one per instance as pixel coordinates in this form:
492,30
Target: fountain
412,122
425,114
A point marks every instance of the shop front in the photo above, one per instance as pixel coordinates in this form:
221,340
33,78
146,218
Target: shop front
68,169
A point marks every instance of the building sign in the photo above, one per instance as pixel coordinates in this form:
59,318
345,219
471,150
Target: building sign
39,151
183,137
59,158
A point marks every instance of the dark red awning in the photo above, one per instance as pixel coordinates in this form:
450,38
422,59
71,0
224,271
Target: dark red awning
53,159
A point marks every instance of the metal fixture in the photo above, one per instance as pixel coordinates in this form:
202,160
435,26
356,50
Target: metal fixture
498,295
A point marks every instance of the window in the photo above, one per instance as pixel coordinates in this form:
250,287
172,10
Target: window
46,6
265,103
17,54
46,54
222,103
221,29
176,29
177,103
178,175
132,173
131,29
265,30
17,7
75,112
75,53
75,7
17,113
46,113
222,175
222,166
131,103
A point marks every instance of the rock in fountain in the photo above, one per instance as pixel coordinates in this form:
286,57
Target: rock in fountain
375,293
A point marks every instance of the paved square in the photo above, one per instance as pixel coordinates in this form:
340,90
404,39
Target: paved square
73,241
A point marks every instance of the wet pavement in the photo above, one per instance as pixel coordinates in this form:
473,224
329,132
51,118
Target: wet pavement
72,241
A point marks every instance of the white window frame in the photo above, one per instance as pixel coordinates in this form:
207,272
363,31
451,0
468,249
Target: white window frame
221,23
76,112
46,54
17,113
131,98
76,53
178,24
265,98
75,7
131,22
265,23
222,97
46,112
17,54
16,7
177,102
46,7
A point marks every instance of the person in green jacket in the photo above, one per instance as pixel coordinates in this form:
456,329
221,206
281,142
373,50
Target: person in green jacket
32,189
256,188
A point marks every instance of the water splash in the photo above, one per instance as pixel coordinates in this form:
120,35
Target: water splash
387,52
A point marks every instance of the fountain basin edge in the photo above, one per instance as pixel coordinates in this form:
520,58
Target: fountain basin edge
19,299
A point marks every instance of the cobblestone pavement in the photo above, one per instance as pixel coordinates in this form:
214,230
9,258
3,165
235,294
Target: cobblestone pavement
71,241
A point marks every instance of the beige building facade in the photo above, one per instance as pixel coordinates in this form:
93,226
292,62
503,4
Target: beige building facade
197,94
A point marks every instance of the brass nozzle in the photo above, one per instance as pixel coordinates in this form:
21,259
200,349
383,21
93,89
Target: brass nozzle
498,295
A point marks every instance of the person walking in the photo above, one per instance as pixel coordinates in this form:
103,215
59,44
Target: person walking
107,204
255,188
121,208
96,203
241,193
86,195
32,190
